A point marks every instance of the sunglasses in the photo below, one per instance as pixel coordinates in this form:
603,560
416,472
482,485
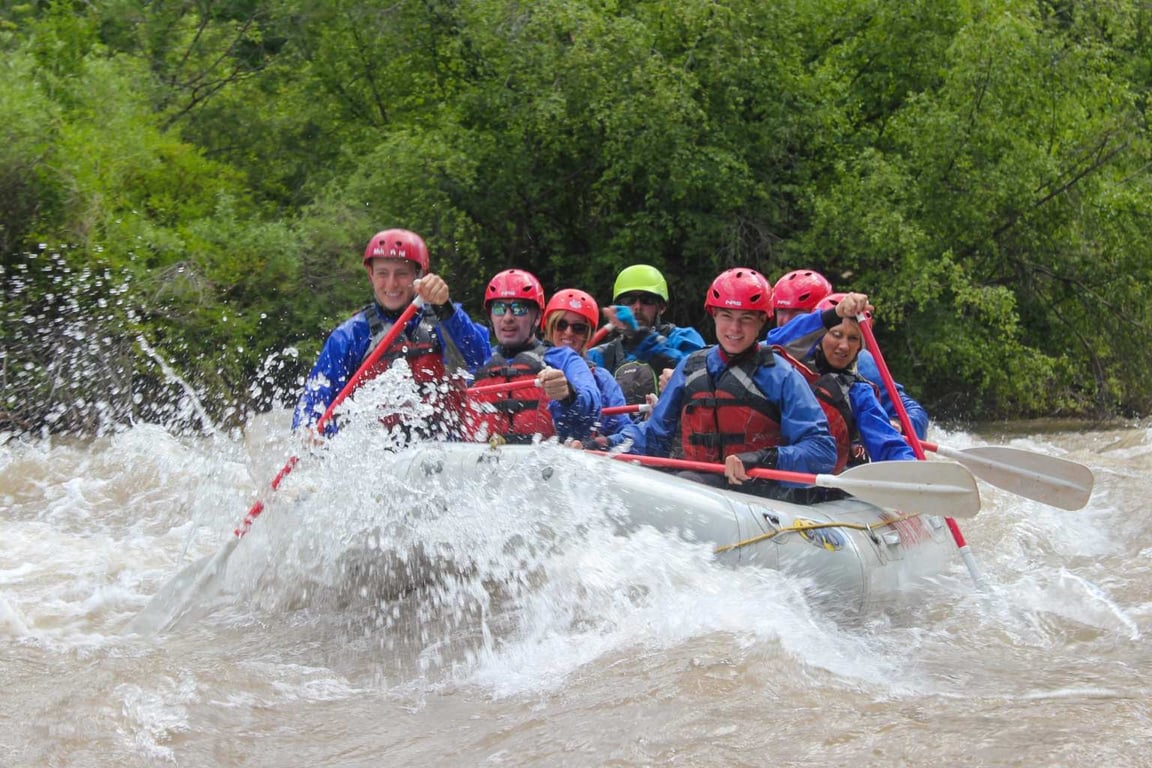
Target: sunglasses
580,329
518,308
646,299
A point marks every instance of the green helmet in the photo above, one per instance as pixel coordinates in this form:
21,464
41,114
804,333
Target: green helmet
640,277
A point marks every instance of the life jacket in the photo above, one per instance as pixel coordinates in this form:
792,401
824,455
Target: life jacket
517,415
636,378
424,354
729,414
831,390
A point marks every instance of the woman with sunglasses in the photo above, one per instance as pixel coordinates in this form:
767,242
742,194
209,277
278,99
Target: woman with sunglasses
560,397
569,320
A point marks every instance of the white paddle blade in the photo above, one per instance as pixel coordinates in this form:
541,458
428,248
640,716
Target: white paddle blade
930,488
168,606
1047,479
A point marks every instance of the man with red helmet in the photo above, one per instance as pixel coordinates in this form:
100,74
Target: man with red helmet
797,293
570,405
437,342
737,402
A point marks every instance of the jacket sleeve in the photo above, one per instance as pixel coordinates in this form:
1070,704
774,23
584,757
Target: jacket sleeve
866,367
798,336
576,417
662,351
808,445
610,395
338,361
880,438
471,338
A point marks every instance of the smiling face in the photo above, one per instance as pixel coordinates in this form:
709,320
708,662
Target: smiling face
842,344
570,330
392,282
513,321
738,330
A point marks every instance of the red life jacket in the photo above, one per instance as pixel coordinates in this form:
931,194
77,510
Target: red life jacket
422,350
831,390
729,415
517,415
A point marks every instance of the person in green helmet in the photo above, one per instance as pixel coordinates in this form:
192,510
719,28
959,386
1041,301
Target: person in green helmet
641,346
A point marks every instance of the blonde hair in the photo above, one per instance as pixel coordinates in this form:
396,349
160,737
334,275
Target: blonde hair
550,331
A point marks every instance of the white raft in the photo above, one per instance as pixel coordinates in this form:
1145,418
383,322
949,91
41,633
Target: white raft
853,554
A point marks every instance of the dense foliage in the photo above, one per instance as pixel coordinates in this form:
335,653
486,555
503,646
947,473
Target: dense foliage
186,185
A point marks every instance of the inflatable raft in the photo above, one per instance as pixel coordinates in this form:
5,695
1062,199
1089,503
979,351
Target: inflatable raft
853,553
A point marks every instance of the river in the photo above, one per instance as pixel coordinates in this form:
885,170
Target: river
579,648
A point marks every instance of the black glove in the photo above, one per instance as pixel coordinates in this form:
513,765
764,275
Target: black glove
765,458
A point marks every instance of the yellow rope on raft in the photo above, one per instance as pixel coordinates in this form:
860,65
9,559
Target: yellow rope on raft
804,525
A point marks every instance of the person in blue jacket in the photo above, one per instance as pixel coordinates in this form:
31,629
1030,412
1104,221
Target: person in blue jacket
800,335
863,430
737,403
569,320
560,397
440,342
641,348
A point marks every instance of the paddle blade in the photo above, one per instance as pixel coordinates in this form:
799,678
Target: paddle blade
172,603
1047,479
942,488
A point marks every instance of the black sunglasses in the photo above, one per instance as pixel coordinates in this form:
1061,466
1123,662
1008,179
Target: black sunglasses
580,329
518,308
647,299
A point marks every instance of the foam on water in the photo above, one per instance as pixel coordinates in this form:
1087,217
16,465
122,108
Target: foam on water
448,583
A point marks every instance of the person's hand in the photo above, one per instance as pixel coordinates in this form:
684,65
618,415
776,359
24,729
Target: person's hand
652,398
432,289
554,384
620,317
853,304
665,375
734,470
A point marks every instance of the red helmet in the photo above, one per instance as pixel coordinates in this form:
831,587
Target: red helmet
831,300
515,284
398,244
801,289
740,288
572,300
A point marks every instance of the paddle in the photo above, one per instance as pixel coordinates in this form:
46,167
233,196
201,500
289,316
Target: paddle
174,600
598,337
910,435
936,488
1059,482
504,386
614,410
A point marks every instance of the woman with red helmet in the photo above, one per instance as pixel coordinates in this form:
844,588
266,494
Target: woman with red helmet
800,336
439,341
566,400
862,429
737,402
570,320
